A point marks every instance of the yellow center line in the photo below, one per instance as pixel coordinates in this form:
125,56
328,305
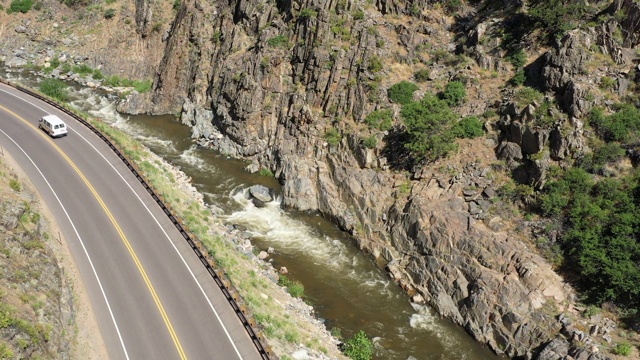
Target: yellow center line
156,299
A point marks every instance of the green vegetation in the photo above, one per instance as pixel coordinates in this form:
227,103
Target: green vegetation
454,93
176,4
140,86
109,13
380,119
55,88
518,59
82,69
22,6
359,347
469,127
422,75
265,172
402,92
608,153
14,185
375,64
527,95
622,126
623,349
370,142
333,136
556,17
295,288
308,13
519,78
279,41
429,124
602,240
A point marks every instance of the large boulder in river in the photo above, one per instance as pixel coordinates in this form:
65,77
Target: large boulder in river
260,195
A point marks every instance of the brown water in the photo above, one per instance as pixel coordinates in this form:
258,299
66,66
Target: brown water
343,284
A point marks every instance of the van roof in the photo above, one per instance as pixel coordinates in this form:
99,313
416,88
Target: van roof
53,119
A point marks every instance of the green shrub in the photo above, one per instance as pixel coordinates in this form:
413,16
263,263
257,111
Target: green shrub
370,142
308,13
279,41
556,17
601,235
22,6
359,347
380,119
97,74
109,2
295,288
176,4
110,13
37,6
454,93
622,126
358,14
375,64
428,125
623,349
527,95
422,75
402,92
518,59
54,88
265,172
519,78
14,185
605,154
469,127
607,83
333,136
82,69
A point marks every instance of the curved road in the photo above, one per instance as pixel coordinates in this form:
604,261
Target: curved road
152,297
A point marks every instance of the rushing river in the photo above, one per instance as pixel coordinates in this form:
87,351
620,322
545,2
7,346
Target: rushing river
344,285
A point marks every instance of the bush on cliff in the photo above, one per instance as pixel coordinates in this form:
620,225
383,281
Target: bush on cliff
402,92
601,242
22,6
429,125
454,93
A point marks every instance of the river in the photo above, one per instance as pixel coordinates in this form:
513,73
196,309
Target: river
344,285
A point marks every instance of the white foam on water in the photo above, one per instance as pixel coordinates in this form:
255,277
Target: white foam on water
274,225
191,157
425,319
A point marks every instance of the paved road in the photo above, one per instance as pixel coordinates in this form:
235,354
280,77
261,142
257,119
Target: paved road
152,297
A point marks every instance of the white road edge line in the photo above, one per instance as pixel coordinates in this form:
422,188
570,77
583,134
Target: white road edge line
157,222
104,295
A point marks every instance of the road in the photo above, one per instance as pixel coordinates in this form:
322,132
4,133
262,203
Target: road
152,297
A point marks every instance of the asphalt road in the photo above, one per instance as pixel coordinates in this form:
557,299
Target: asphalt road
152,297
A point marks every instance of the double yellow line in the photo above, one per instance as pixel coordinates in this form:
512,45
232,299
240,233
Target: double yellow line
156,299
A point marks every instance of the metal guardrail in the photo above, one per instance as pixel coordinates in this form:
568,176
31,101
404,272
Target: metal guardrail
196,245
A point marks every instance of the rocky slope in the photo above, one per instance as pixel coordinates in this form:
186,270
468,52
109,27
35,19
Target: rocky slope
37,310
266,81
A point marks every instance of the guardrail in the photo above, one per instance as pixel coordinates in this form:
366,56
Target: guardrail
218,276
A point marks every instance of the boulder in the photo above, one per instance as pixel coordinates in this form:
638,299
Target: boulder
260,195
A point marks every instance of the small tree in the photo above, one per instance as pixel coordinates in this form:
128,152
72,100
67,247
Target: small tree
54,88
402,92
454,94
359,347
429,124
22,6
470,127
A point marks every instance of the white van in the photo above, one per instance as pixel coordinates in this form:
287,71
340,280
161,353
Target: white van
53,125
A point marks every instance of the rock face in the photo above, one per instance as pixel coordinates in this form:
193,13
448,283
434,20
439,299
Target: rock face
37,303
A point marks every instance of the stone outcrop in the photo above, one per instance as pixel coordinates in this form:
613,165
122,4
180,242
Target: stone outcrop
37,303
